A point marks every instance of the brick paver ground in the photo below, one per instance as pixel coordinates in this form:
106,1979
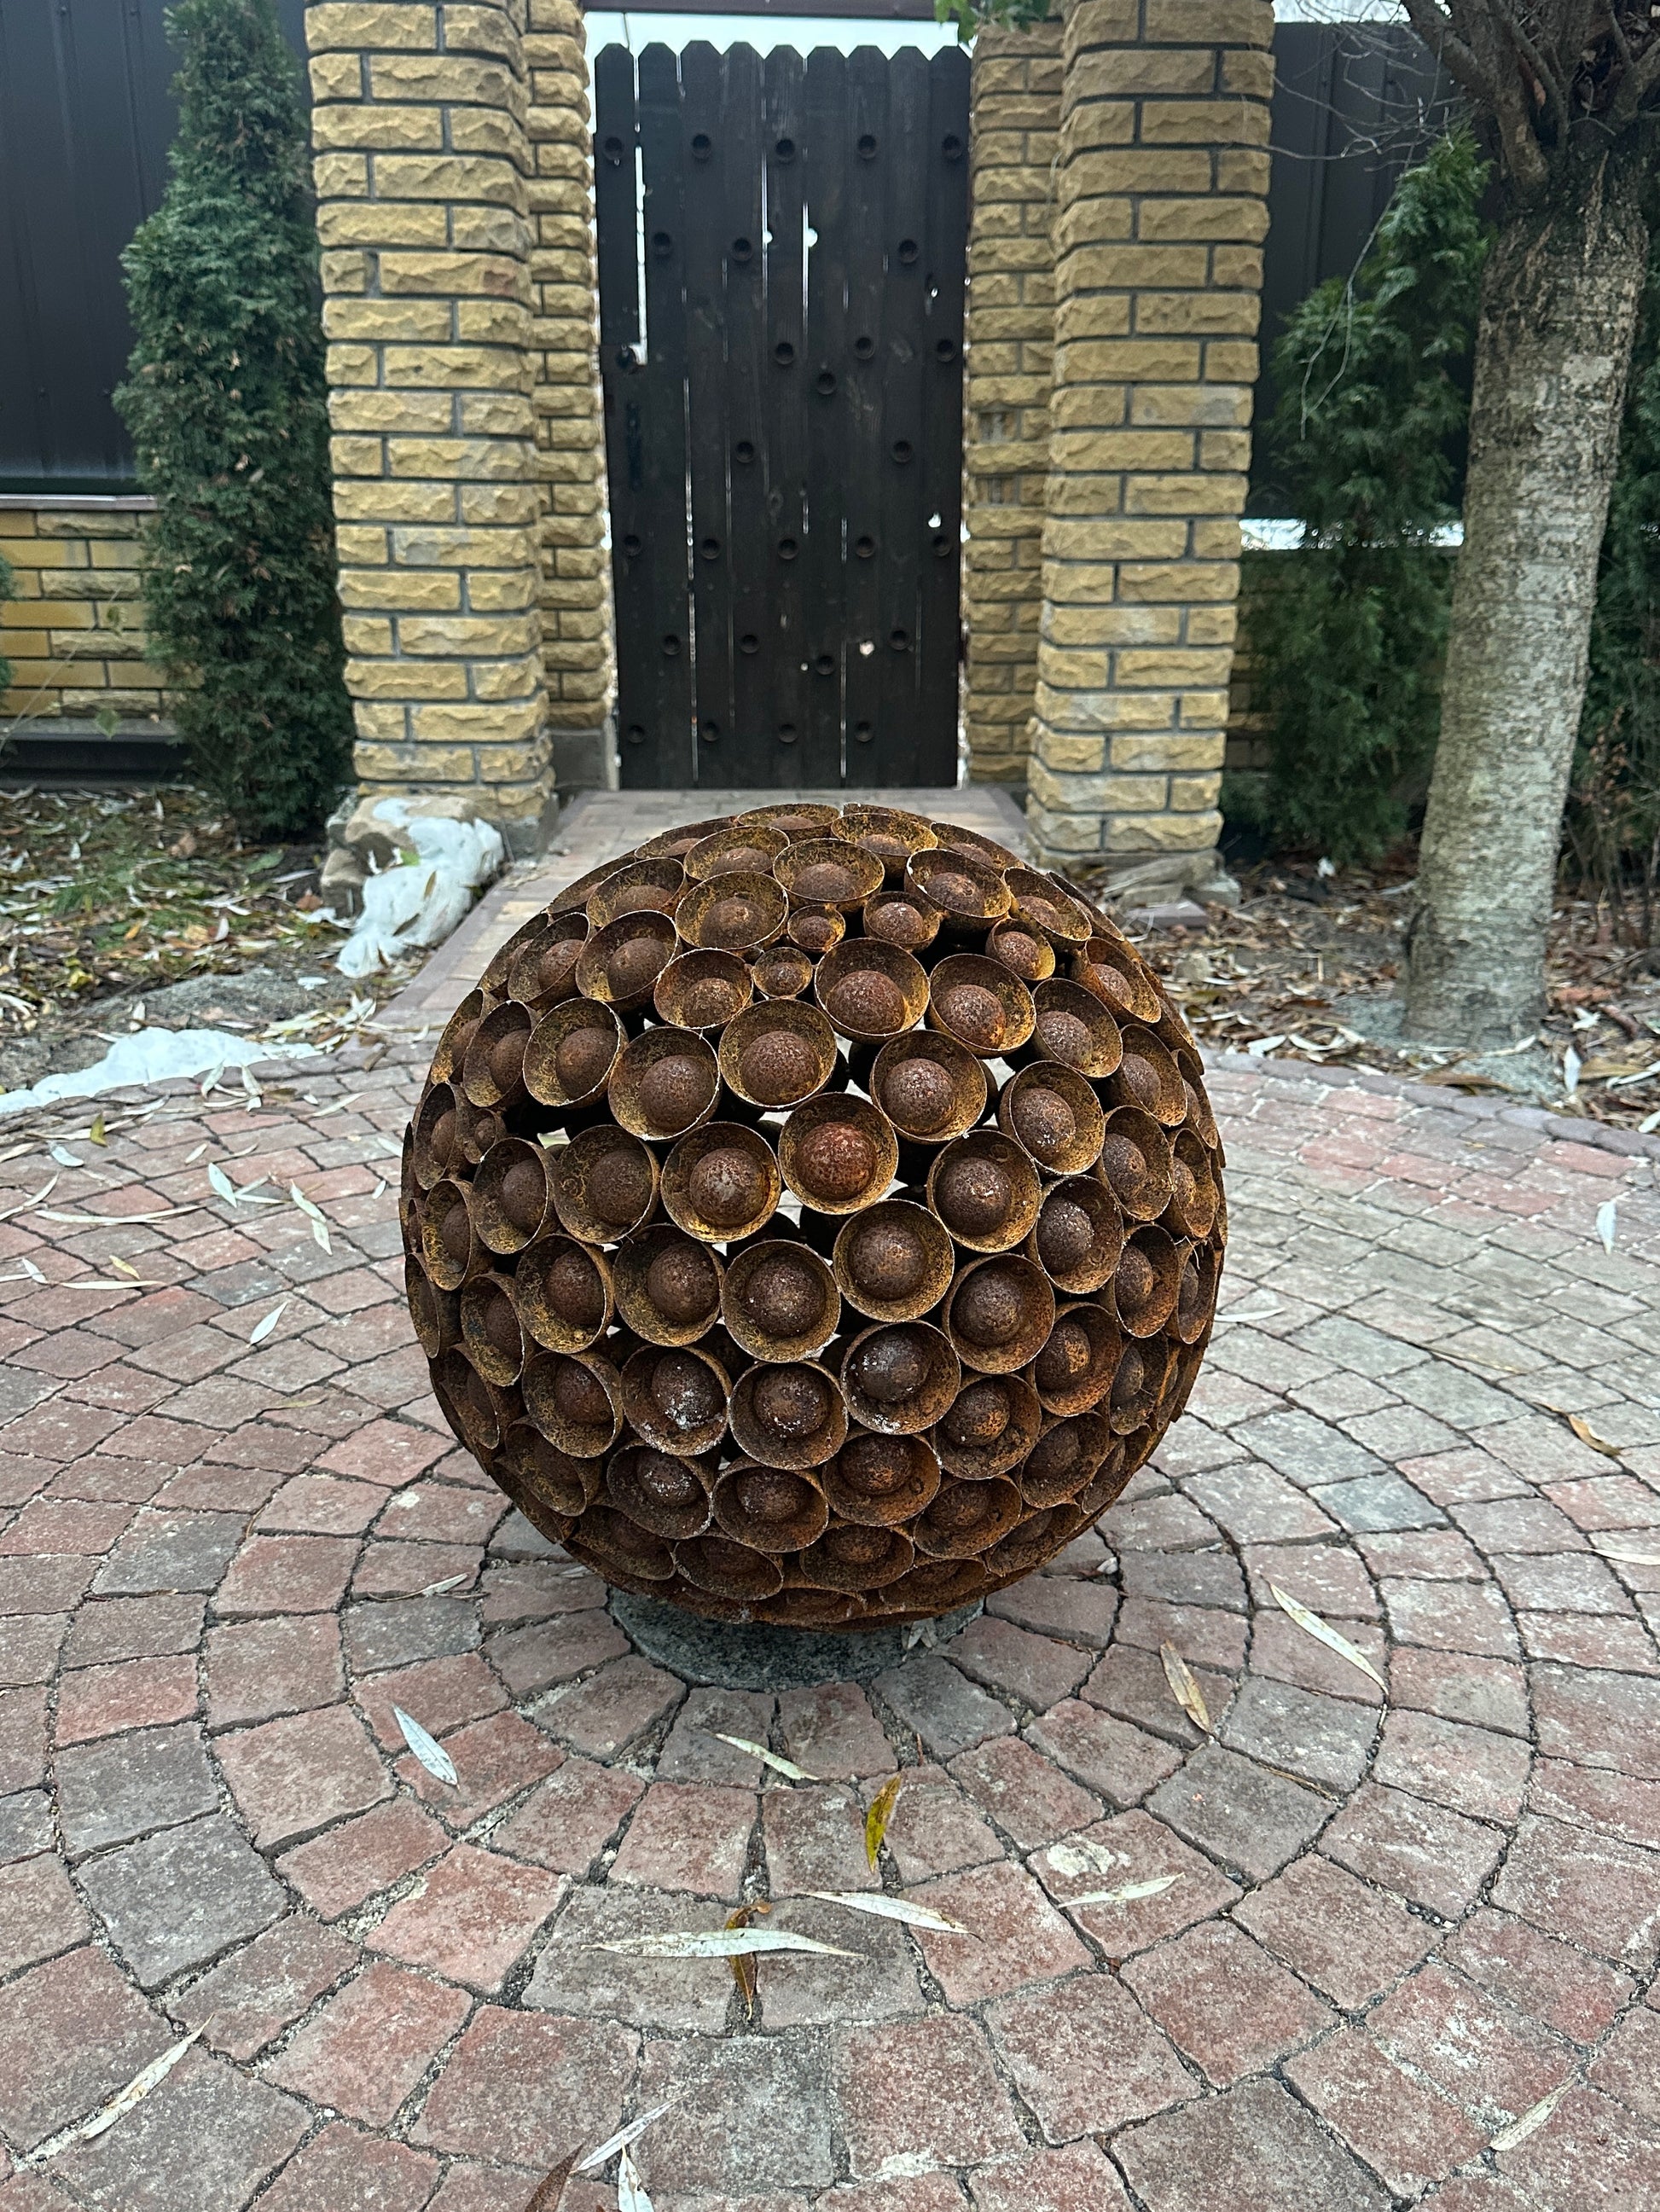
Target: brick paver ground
1406,1948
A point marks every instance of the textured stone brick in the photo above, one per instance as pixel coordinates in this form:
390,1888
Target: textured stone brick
815,1839
686,1838
336,1872
292,1778
1409,2133
72,2032
1432,1857
246,2002
831,1731
1015,1935
179,1898
1338,1933
777,2130
946,1712
471,1919
613,1708
924,2090
567,1822
368,2046
39,1913
1027,1797
1256,2146
343,2166
285,1663
1488,2058
1122,1762
1224,2003
530,2088
112,1791
206,2136
576,1976
1246,1816
97,1701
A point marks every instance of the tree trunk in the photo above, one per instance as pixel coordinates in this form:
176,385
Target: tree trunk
1553,353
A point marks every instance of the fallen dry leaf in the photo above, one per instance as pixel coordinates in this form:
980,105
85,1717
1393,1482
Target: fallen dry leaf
880,1812
743,1967
593,2160
1608,1222
430,1753
1185,1689
719,1943
631,2190
1127,1894
1334,1640
784,1766
1532,2120
262,1330
136,2091
1587,1435
1631,1558
889,1908
97,1132
551,2187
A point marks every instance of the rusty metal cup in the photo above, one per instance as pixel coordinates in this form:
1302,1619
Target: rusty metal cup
1079,1235
956,837
1052,1113
988,1427
783,971
714,1563
436,1314
893,1261
622,1551
1148,1077
969,893
769,1509
479,1415
879,1481
1196,1295
1136,1163
543,968
1112,971
490,1328
870,991
779,1301
747,850
722,1183
777,1055
457,1035
574,1399
1147,1282
436,1148
676,1399
1199,1118
666,1492
572,1052
799,1605
967,1518
1193,1195
666,1082
816,930
563,1293
562,1485
493,1071
889,832
450,1248
604,1183
985,1190
930,1087
981,1005
998,1313
1024,950
666,1285
1040,902
788,1414
1075,1028
702,991
1029,1542
652,886
899,1377
837,1153
620,964
857,1558
734,912
1074,1370
828,871
796,817
677,844
931,1587
1138,1382
1066,1457
510,1195
901,917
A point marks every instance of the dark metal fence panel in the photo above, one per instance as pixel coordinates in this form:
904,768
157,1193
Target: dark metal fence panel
85,122
784,438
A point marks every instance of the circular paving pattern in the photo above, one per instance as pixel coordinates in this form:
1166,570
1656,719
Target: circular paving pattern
1338,1950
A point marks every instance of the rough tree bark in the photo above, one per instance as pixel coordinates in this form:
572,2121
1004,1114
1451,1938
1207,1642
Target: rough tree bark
1559,311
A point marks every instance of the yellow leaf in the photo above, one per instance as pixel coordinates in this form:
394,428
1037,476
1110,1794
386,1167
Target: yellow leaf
880,1812
96,1131
1185,1689
122,1268
743,1967
1587,1435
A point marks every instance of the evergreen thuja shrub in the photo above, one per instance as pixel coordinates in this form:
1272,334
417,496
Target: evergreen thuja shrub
1346,633
227,404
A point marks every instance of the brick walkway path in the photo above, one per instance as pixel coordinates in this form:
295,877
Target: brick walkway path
1394,1931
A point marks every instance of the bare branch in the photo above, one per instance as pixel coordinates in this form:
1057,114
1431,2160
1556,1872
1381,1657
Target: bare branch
1435,29
1549,84
1638,82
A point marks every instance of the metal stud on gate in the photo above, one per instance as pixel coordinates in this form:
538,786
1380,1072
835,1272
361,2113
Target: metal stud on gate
991,1125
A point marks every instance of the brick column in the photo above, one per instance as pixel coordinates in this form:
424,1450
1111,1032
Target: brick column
423,167
1162,183
576,627
1015,88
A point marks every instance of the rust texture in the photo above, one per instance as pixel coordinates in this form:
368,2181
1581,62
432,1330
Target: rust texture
813,1219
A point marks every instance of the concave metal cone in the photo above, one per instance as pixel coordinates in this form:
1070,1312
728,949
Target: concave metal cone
1135,1162
641,887
777,1055
604,1183
478,1414
714,1563
1052,1113
666,1285
1194,1195
749,851
828,871
702,991
571,1053
1074,1370
900,1376
788,1415
967,1518
1195,1296
510,1196
985,1190
458,1033
1040,903
476,1128
879,1481
890,833
680,844
1138,1382
735,912
1030,1541
436,1314
1074,1029
989,1426
782,972
930,1087
614,1542
575,1401
450,1246
769,1509
980,1004
620,963
858,1557
676,1399
490,1328
437,1149
797,1606
779,1300
722,1183
1147,1280
998,1314
870,991
542,969
893,1261
663,1492
901,917
1066,1458
1113,971
493,1071
1024,951
562,1289
969,894
837,1153
955,837
565,1486
816,930
1106,1484
666,1082
1199,1118
1079,1235
1147,1076
796,817
931,1587
575,897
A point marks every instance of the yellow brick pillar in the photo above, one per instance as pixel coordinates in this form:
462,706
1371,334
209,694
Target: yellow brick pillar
422,165
575,581
1015,122
1162,178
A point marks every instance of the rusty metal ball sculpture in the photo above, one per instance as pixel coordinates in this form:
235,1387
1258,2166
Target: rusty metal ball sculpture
814,1218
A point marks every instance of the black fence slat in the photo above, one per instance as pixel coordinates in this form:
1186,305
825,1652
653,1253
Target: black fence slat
941,545
706,408
748,759
785,412
898,754
826,348
868,152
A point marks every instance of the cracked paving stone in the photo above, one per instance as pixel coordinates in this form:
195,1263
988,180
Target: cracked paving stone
178,1899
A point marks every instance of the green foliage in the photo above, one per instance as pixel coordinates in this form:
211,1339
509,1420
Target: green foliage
972,16
227,403
1614,809
1347,631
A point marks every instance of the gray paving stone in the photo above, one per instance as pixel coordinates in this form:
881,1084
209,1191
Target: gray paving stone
169,1552
114,1791
178,1899
1327,1739
25,1824
1350,1345
1304,1449
946,1710
1377,1503
398,1632
1225,1805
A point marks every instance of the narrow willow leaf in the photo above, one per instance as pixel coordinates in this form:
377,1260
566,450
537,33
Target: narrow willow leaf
305,1204
1311,1625
319,1234
743,1965
449,1583
1607,1221
631,2190
111,1220
595,2158
785,1766
880,1812
1571,1065
889,1908
122,1268
551,2187
262,1330
1185,1689
1587,1435
1532,2120
1126,1895
1631,1558
136,2090
719,1943
98,1133
65,1157
431,1753
221,1182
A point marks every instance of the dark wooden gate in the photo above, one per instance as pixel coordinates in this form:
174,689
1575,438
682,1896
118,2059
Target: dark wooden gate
784,432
